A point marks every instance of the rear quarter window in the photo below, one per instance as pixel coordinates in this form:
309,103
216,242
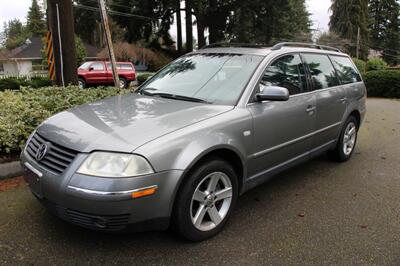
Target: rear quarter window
322,72
345,69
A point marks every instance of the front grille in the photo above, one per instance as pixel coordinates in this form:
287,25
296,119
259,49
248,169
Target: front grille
57,158
102,222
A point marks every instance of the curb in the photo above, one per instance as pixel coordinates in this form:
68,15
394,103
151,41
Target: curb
11,169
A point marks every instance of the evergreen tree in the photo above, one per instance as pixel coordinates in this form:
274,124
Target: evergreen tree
347,17
35,23
385,28
269,22
14,34
86,22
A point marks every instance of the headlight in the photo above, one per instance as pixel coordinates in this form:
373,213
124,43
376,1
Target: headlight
108,164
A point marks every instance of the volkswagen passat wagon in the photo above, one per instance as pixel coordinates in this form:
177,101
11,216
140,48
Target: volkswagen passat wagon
206,128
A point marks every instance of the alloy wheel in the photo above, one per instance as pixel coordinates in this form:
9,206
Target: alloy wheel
349,138
211,201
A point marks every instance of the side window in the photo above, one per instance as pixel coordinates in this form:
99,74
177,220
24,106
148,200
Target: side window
97,66
288,72
322,72
345,69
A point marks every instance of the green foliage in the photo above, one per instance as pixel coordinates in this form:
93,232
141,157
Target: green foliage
361,65
385,28
141,78
35,23
347,16
16,83
22,111
376,64
266,21
80,51
383,83
14,34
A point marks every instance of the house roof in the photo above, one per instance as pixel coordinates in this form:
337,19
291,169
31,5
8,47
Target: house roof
32,47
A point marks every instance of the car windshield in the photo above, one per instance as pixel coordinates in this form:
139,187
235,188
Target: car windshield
214,78
85,65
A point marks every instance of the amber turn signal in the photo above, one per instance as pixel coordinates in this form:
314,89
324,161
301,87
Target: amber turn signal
144,192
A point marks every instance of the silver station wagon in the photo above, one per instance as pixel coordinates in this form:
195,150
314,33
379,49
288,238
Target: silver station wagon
206,128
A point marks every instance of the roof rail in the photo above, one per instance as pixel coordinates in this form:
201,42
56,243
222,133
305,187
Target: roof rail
232,44
309,45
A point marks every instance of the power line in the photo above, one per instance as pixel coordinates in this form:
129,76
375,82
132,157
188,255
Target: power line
112,12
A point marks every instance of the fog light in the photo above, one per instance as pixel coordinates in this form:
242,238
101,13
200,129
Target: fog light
144,192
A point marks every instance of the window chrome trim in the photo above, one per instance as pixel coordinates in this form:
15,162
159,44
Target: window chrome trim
293,141
109,193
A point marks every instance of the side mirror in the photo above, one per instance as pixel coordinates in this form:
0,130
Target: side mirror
272,93
91,68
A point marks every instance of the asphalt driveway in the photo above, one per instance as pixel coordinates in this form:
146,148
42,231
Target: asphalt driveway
318,213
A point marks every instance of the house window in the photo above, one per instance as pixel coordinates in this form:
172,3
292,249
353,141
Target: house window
1,67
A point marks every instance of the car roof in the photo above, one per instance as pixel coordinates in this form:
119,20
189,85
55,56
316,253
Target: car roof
264,51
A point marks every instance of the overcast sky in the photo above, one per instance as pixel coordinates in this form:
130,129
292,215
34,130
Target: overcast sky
10,9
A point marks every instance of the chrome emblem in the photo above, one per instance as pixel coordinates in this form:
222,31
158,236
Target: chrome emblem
41,152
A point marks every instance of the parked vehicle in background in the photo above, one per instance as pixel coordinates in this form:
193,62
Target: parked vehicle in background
100,73
208,127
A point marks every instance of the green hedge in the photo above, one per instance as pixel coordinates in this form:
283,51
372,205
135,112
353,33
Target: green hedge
22,111
141,78
17,83
383,83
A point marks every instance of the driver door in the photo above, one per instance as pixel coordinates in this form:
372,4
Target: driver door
282,130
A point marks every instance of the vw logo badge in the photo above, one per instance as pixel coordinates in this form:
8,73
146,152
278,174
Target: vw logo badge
41,152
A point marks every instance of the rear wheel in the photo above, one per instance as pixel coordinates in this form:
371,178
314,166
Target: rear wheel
347,141
205,200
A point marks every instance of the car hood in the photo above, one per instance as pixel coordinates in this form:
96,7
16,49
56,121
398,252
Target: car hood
124,122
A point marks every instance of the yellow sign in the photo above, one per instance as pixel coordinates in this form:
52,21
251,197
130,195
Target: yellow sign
50,55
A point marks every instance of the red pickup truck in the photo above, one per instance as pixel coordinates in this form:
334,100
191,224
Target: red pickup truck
100,73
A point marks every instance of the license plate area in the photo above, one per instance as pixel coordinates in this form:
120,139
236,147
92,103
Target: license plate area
33,178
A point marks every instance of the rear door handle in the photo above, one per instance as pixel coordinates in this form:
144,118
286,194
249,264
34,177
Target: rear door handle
343,100
310,109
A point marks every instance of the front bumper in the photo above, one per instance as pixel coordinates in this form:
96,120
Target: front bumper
103,203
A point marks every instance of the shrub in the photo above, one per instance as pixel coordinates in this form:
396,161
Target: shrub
141,78
384,83
131,52
16,83
376,64
361,65
22,111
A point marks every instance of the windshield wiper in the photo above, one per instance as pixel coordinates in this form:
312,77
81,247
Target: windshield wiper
167,95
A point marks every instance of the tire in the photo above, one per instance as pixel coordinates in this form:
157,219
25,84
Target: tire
194,201
123,83
341,153
81,83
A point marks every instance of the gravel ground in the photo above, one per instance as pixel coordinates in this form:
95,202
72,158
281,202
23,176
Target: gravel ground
319,213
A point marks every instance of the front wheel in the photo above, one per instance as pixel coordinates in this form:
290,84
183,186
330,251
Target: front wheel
347,141
123,83
205,200
81,83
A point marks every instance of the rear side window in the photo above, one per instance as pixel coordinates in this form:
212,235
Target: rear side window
288,72
322,72
345,69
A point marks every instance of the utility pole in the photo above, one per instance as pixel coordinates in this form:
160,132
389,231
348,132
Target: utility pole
104,20
358,43
61,24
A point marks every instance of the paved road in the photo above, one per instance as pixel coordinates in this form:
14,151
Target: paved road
319,213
